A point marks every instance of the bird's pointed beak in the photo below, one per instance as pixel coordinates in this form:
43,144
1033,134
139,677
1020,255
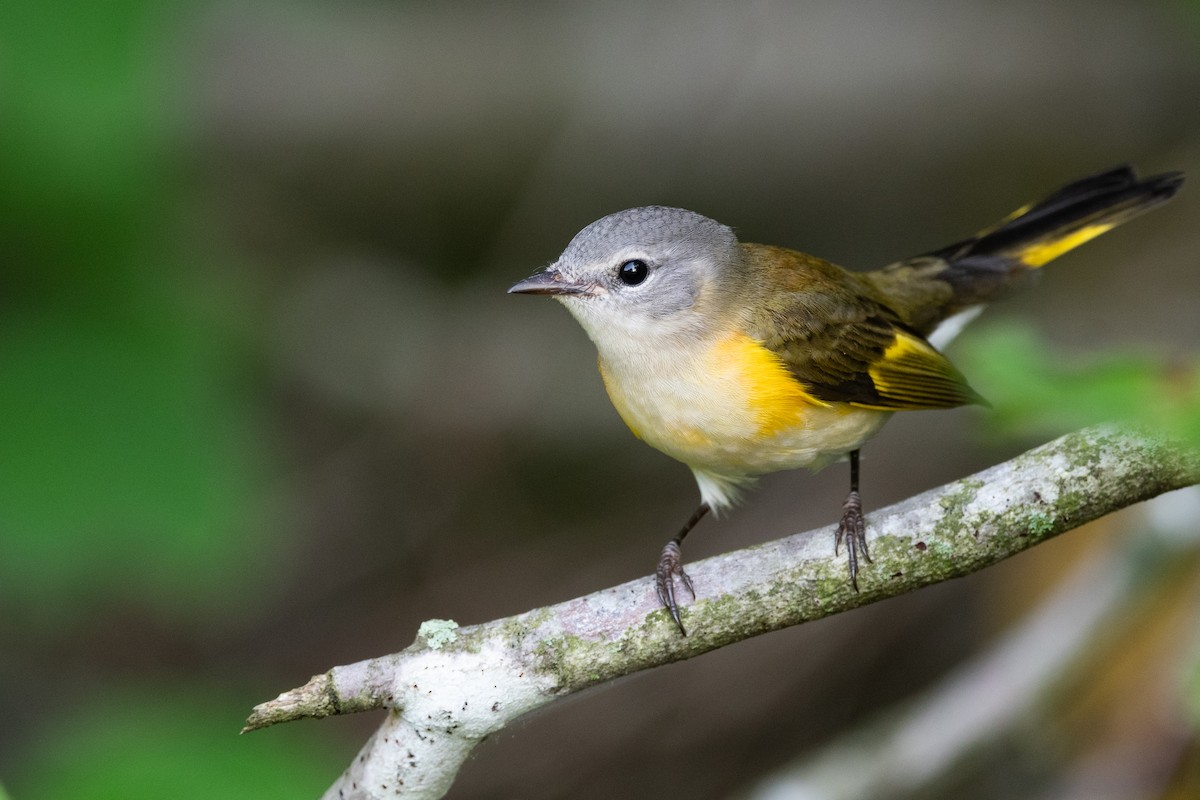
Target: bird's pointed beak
549,281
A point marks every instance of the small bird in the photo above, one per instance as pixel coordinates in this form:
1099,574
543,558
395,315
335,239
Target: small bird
744,359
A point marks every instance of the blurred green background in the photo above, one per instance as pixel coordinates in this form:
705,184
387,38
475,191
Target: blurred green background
265,405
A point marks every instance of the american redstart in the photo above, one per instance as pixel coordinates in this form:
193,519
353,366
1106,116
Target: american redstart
744,359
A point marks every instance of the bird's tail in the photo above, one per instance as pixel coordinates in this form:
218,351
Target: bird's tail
1037,233
995,260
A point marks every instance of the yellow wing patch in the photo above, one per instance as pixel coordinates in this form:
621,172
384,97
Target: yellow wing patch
1036,255
912,375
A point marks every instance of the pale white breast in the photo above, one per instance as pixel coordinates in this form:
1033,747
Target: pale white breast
702,414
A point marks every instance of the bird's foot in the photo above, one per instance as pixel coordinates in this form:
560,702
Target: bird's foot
670,565
853,530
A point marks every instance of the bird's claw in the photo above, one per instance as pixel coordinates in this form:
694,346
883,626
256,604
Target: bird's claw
853,530
670,565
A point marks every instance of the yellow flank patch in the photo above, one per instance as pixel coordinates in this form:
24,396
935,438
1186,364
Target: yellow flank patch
760,377
1044,252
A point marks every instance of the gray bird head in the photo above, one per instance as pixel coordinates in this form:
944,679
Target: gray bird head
640,272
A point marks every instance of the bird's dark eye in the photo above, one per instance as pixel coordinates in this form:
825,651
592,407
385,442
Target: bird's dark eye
633,272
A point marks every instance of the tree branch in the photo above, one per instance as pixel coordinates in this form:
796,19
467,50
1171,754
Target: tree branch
454,686
1010,696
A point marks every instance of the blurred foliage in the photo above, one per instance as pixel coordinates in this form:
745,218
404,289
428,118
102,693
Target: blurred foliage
130,465
128,461
180,743
1035,392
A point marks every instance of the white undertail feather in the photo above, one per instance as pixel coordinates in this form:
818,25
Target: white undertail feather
952,326
720,492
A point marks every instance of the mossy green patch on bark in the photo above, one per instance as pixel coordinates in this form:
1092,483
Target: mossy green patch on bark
954,511
1039,524
576,663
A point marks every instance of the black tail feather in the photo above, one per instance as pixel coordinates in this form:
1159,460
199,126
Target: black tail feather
1110,197
1006,256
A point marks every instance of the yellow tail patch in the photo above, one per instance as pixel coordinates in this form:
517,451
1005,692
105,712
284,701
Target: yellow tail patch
1020,212
1044,252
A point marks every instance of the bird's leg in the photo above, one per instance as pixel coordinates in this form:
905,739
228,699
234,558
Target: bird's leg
853,528
670,564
